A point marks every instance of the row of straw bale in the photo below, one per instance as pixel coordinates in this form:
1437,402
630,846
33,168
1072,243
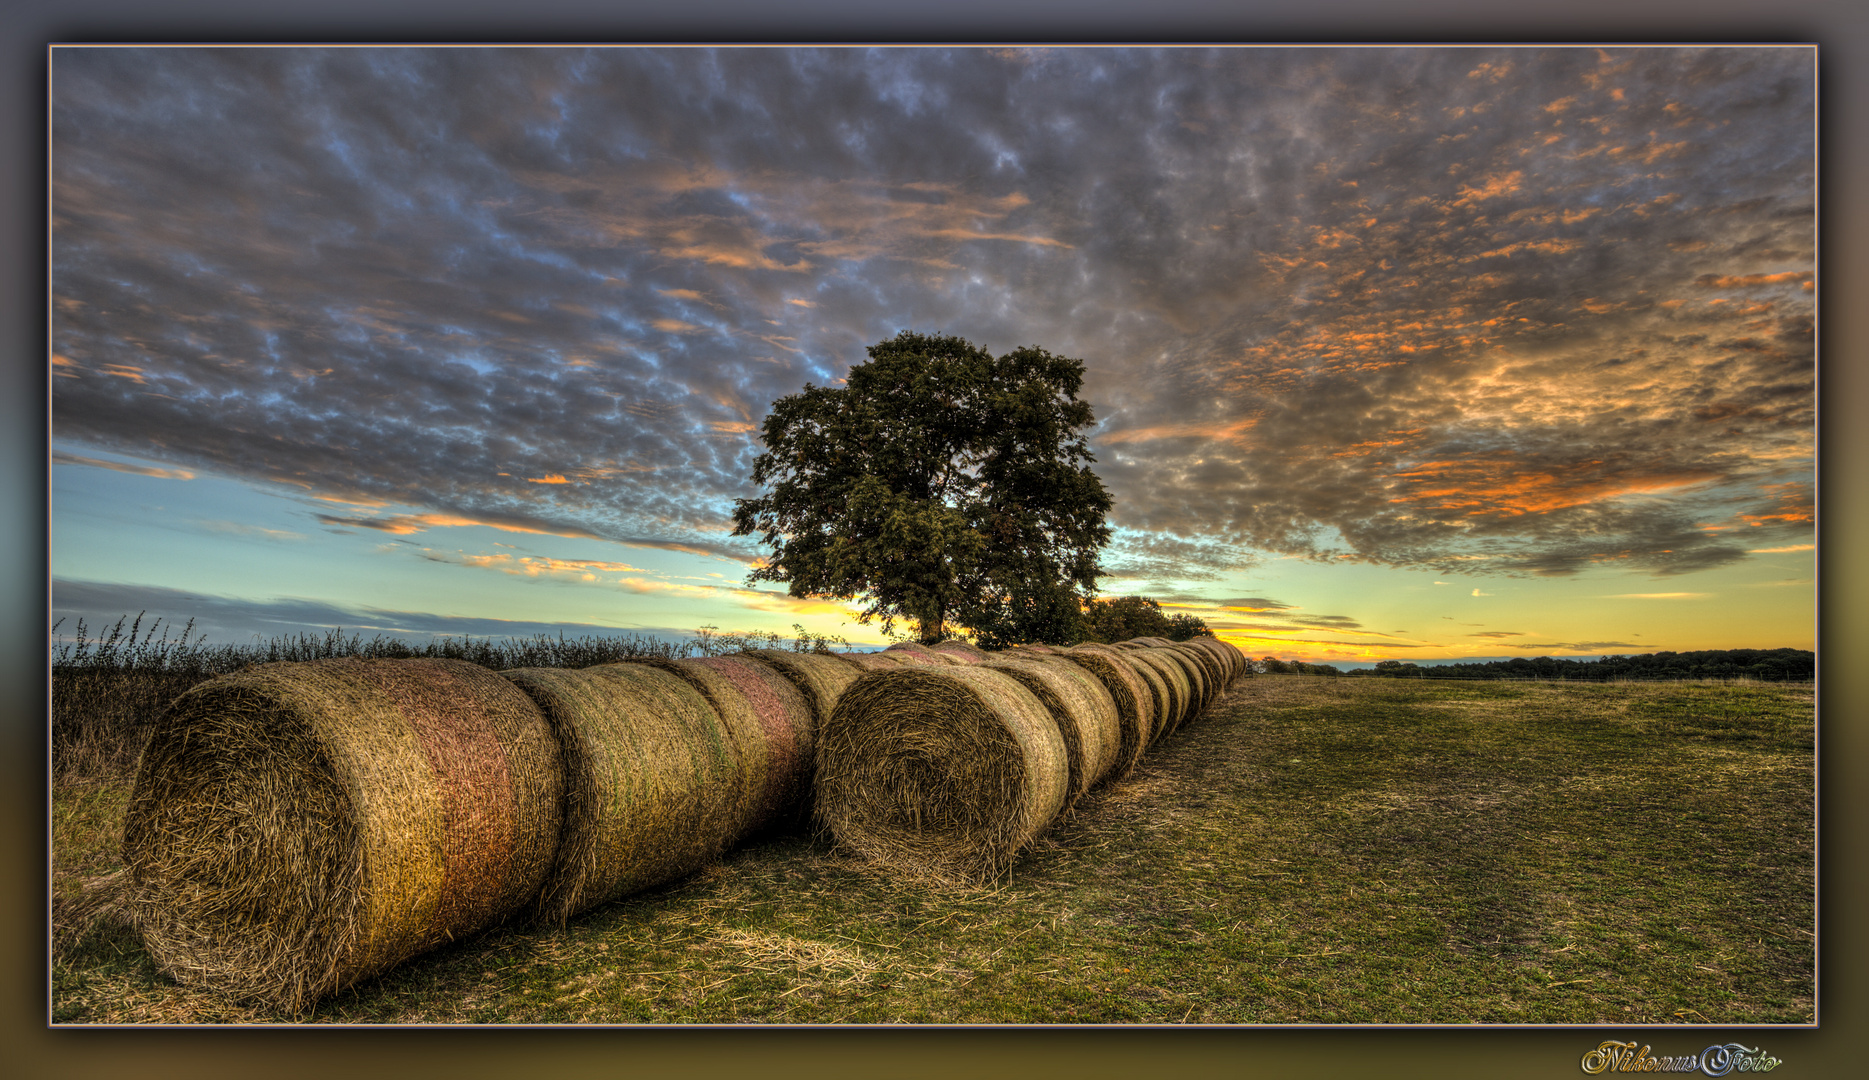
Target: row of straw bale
299,827
950,770
296,828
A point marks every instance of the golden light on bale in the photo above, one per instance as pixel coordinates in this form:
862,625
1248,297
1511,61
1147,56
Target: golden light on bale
788,723
296,828
1174,679
1084,711
1031,647
651,793
946,773
965,650
1133,698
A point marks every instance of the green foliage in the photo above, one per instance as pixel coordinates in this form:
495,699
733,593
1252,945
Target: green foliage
939,485
1768,665
1129,617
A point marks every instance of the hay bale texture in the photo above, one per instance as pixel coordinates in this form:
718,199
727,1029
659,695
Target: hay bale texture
1207,665
757,783
1232,660
296,828
787,722
1134,700
880,661
652,787
926,653
1084,711
820,677
965,650
1174,679
944,773
1198,688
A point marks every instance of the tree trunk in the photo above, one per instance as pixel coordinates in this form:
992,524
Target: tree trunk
933,630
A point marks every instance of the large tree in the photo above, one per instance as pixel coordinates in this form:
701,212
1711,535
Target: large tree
940,484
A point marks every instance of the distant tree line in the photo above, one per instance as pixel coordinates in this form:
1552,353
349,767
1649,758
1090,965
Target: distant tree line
1774,665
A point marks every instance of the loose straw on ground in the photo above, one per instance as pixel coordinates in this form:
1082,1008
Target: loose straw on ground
946,773
298,827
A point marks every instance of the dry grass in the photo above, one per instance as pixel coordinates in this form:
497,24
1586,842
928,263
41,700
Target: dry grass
1315,851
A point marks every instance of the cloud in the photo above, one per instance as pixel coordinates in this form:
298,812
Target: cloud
1334,303
60,457
1659,596
243,620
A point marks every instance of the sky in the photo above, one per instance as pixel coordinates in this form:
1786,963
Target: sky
1395,353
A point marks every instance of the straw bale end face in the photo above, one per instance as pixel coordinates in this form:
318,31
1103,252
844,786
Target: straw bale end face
945,773
298,827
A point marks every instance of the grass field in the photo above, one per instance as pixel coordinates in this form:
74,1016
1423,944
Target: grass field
1309,851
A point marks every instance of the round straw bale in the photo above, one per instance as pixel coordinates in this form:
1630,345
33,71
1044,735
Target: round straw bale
1211,673
1160,698
925,653
966,650
1152,642
1031,647
1197,677
295,828
754,794
1134,700
880,661
650,790
1085,713
786,718
821,677
944,773
1174,678
1232,661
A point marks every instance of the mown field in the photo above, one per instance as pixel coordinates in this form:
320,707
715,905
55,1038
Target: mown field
1308,851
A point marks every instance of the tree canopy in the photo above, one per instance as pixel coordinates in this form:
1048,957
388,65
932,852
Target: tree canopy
940,484
1129,617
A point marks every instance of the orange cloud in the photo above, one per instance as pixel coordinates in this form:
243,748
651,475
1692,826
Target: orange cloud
1748,281
1491,188
1501,486
1234,432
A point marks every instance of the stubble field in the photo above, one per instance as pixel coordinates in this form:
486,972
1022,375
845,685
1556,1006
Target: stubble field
1307,851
